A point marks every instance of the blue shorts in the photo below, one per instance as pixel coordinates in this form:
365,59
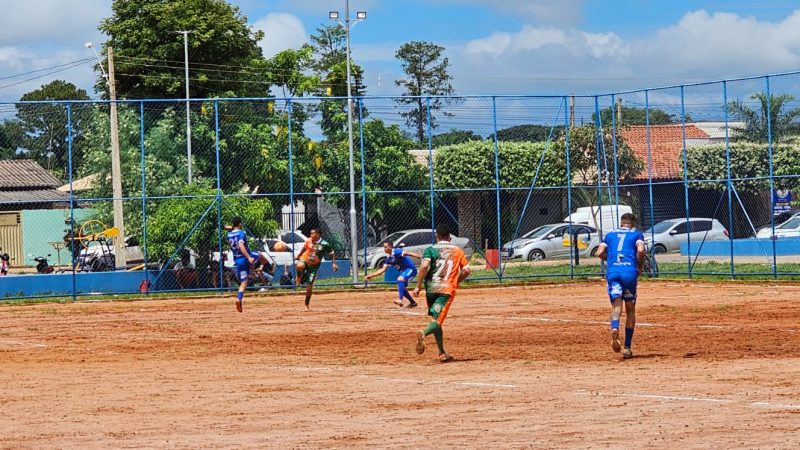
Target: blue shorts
243,266
622,284
409,273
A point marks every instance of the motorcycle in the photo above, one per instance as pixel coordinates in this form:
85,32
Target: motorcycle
5,262
43,266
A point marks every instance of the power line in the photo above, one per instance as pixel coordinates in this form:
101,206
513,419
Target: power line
44,69
73,65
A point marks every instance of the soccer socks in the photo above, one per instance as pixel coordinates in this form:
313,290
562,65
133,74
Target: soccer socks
628,337
436,330
239,296
615,324
401,290
409,297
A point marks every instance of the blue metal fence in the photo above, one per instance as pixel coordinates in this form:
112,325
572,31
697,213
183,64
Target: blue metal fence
529,184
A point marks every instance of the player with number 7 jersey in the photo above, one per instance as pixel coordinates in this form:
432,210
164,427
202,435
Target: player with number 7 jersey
443,267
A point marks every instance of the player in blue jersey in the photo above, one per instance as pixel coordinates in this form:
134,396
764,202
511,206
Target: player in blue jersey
408,270
624,251
244,260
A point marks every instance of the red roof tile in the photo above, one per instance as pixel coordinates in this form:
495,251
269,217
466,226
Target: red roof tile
666,143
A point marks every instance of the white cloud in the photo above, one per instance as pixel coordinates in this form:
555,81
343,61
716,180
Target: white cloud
701,46
281,31
36,21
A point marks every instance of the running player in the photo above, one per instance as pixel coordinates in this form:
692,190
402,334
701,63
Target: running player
408,270
243,259
624,250
309,259
443,267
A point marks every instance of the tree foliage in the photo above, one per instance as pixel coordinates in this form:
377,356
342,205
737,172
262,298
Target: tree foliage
524,133
427,74
636,116
749,166
44,127
453,137
222,48
771,112
585,153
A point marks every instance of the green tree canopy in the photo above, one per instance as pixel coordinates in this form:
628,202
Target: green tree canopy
426,70
453,137
524,133
636,116
772,111
149,54
44,126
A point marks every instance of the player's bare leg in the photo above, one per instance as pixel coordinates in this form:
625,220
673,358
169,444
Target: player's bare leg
309,291
630,324
300,269
616,312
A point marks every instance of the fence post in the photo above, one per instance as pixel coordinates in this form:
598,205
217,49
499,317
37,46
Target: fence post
144,200
649,168
569,186
291,180
497,187
728,171
71,200
219,199
363,184
771,179
599,151
430,166
614,147
686,184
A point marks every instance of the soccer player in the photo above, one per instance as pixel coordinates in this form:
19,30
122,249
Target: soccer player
309,259
443,267
624,250
243,259
408,270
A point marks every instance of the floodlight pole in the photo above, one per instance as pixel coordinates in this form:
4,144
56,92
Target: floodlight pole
188,116
120,252
353,231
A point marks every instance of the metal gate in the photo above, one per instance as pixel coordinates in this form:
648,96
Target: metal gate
11,237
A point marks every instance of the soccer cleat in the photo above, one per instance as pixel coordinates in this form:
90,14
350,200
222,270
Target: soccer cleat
444,357
398,303
615,340
411,305
238,305
627,353
420,342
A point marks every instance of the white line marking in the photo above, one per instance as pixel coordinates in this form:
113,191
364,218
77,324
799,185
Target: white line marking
456,383
22,344
722,401
548,319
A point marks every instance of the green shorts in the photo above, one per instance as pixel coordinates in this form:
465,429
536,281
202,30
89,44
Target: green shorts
310,274
438,305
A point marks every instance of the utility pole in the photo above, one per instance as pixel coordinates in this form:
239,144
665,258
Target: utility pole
572,111
188,117
619,111
120,252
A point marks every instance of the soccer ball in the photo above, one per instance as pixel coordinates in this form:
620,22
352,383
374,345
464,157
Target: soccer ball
280,246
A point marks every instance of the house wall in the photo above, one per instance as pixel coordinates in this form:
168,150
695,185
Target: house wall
41,227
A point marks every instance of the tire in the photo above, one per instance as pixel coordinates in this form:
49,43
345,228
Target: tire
379,263
650,266
593,253
536,255
659,249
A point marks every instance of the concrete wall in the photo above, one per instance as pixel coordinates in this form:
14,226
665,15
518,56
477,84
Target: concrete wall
42,226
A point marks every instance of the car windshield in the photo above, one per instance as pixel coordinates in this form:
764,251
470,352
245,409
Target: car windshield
538,232
790,224
390,238
660,227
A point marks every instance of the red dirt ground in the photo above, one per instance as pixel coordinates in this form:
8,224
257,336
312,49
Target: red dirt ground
716,366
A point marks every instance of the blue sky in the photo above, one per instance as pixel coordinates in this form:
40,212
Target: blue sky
494,46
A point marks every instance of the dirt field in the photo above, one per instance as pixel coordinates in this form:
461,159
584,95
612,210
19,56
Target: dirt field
716,366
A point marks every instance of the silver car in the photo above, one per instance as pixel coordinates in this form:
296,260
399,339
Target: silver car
552,241
667,236
414,241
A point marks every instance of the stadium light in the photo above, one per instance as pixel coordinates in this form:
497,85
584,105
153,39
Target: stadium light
90,46
347,23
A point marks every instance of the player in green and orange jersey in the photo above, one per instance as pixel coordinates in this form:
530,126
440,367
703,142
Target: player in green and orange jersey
443,267
309,260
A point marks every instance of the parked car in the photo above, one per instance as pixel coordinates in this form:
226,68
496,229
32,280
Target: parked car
411,240
789,228
289,238
667,236
605,217
552,241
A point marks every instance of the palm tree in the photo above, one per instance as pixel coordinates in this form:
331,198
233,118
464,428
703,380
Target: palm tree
756,124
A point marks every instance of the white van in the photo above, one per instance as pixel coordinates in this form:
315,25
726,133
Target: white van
605,217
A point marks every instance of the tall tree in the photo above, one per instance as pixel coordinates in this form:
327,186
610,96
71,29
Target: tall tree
45,126
11,139
427,75
771,112
637,116
330,64
149,54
